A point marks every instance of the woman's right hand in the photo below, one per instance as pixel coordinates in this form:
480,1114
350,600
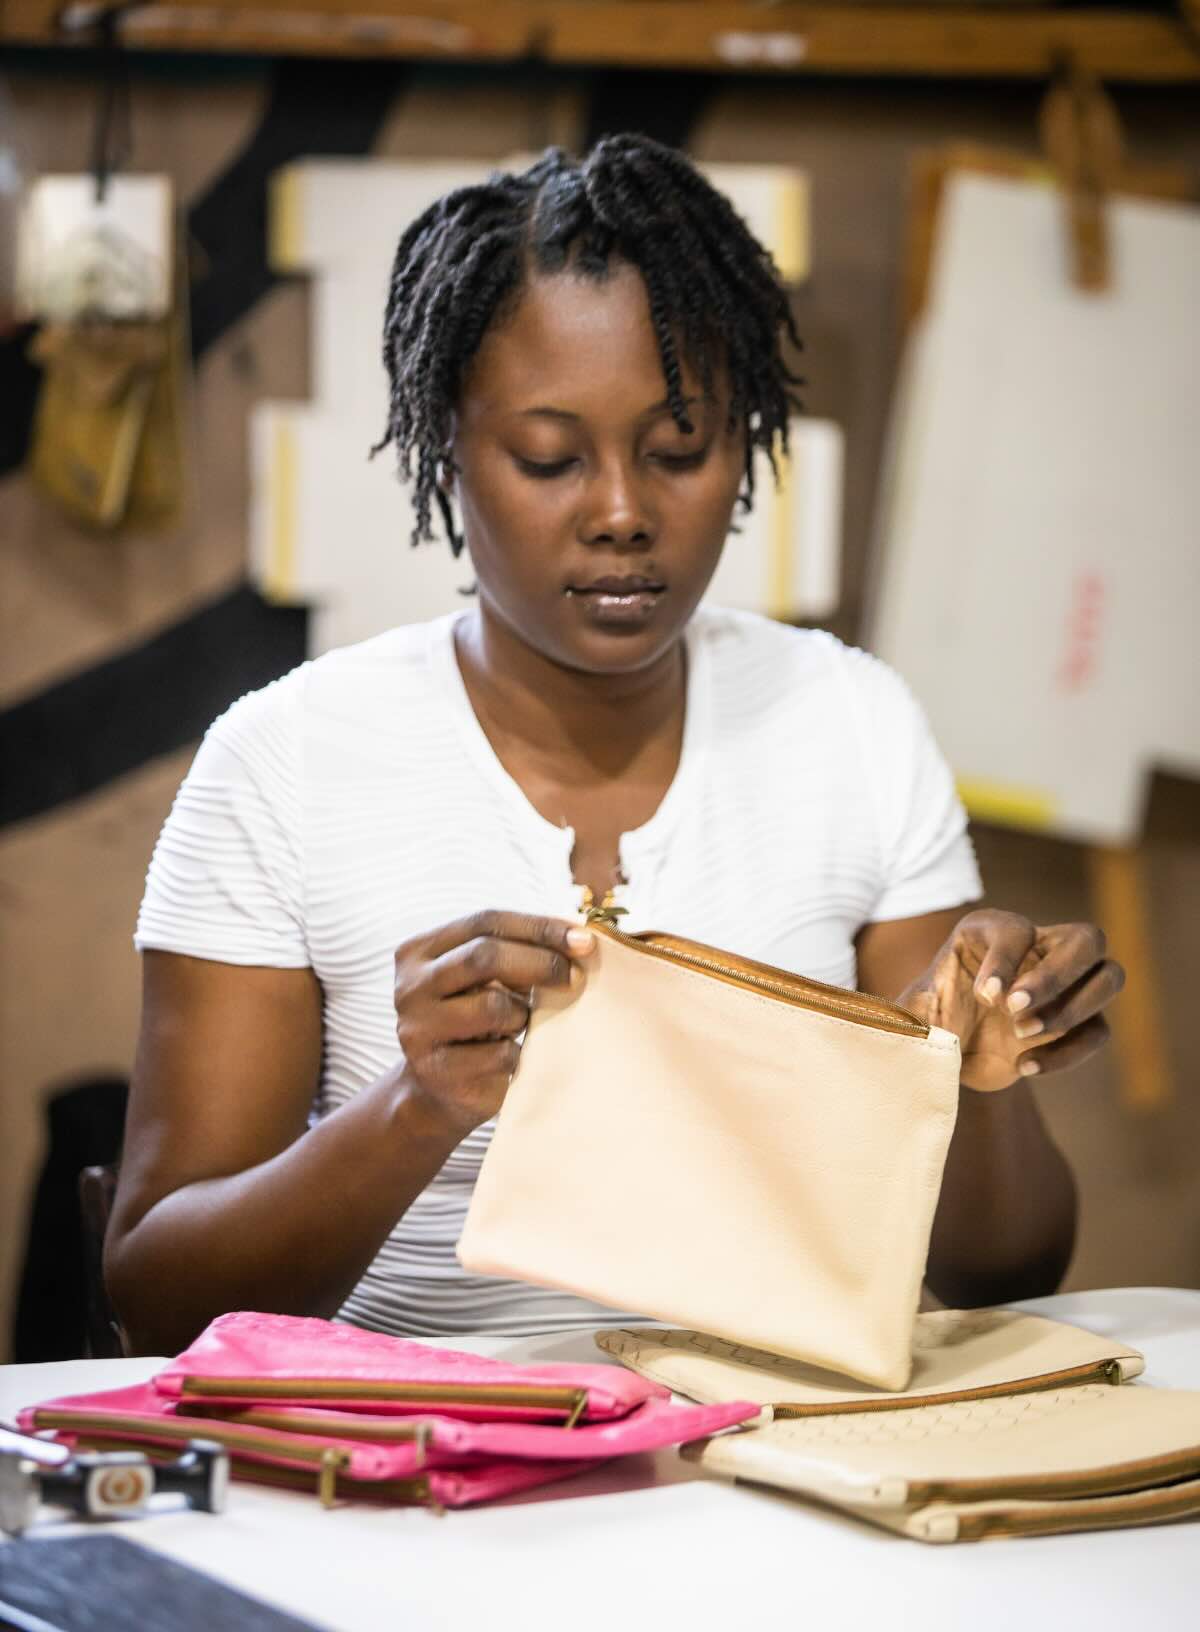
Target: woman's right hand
463,994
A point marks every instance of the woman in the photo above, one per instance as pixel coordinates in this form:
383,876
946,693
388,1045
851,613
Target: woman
394,842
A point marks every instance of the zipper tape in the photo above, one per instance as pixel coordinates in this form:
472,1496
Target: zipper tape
857,1007
1103,1371
571,1402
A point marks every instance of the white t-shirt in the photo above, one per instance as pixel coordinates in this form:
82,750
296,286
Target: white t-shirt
357,802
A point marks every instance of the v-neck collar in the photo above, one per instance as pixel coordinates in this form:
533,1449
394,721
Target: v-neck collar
638,844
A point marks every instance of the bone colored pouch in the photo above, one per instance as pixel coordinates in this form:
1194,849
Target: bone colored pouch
1088,1457
724,1146
957,1354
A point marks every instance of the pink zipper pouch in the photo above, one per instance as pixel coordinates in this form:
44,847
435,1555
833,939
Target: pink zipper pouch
437,1460
247,1358
140,1417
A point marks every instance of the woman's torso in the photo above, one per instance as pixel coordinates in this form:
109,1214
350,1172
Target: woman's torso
764,843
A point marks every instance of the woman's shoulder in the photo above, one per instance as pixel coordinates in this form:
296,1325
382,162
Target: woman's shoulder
789,678
370,680
746,641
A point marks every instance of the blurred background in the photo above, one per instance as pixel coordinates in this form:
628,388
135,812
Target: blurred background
988,218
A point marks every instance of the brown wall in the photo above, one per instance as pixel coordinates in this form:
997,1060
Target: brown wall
70,880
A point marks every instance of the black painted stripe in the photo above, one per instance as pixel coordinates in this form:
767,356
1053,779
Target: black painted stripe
659,103
326,108
77,736
20,379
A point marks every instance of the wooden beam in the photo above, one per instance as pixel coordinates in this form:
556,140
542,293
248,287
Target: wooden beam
370,28
721,35
876,40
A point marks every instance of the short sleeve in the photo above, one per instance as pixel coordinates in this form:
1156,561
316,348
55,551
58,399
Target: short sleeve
226,880
927,861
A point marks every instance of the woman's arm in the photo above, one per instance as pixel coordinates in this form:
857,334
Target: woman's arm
1005,1224
226,1199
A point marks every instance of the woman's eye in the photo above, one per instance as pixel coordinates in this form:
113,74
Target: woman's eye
681,461
543,471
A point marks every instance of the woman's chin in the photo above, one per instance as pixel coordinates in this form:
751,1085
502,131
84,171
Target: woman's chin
618,634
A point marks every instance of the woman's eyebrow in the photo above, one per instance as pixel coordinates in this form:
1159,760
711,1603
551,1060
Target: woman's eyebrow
544,411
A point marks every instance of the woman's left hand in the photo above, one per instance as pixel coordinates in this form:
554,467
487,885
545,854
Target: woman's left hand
1023,1000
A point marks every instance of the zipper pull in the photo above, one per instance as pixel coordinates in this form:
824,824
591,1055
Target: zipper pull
332,1463
606,913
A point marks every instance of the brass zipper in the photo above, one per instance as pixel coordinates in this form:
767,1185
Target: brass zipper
797,990
1106,1371
1119,1479
1175,1501
345,1425
414,1492
329,1459
545,1397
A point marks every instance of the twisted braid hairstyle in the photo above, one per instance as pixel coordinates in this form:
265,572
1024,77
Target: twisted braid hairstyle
713,290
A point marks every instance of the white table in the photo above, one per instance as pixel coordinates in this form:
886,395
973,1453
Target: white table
650,1539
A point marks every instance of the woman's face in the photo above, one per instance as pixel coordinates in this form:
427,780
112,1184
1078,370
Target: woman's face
594,523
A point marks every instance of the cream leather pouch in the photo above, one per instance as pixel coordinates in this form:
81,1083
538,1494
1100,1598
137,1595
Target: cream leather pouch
1087,1457
958,1354
726,1146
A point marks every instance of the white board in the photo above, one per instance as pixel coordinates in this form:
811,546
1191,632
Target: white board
330,529
1039,534
79,254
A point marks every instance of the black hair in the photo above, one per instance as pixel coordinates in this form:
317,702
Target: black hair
713,290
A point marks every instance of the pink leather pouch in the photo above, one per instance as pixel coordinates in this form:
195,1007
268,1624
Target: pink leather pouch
247,1358
397,1470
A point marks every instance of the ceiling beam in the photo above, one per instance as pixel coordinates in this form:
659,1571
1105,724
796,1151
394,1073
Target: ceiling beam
722,35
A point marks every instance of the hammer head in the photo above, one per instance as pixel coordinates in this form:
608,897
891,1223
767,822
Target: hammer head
200,1475
108,1484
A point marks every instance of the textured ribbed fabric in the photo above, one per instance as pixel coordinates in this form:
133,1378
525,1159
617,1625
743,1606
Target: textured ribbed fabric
357,802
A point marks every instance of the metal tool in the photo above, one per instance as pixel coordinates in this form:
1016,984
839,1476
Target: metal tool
103,1484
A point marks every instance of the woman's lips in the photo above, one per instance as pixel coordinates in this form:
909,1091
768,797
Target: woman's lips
617,603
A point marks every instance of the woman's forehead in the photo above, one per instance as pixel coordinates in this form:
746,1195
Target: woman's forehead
567,342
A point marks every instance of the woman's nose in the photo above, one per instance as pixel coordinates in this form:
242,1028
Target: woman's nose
615,513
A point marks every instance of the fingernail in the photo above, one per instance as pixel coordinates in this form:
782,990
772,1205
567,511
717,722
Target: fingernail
1030,1068
1019,1001
1029,1028
580,940
991,989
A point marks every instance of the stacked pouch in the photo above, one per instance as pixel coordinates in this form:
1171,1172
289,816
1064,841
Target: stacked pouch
297,1401
1011,1425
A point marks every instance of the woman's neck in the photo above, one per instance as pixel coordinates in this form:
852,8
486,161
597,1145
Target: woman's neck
598,723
